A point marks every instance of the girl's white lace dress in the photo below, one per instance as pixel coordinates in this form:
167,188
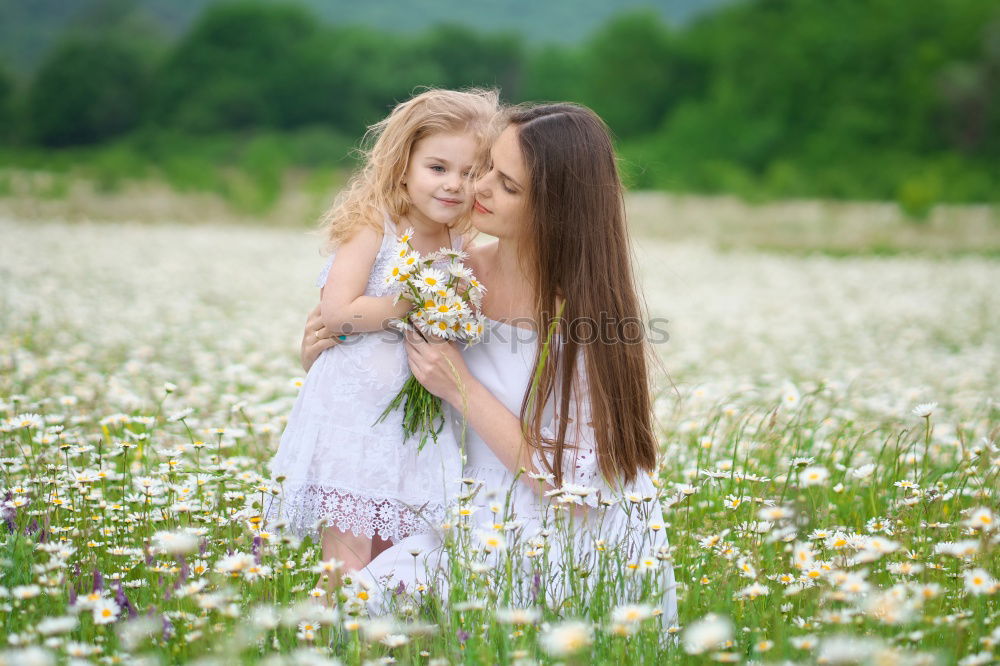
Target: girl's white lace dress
338,464
557,555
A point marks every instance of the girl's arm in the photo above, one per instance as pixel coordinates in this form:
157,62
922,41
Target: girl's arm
344,307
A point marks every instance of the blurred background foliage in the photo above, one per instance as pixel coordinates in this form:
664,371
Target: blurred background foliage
854,99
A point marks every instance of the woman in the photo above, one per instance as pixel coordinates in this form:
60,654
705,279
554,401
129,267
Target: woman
556,399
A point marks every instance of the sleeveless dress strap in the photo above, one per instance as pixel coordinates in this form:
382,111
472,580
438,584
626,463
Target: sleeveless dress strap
324,273
388,237
388,234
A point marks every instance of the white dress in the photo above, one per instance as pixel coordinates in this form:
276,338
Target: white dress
618,525
339,464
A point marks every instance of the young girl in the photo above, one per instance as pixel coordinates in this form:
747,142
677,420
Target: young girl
338,465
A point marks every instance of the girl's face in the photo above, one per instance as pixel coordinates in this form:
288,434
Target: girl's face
501,202
437,177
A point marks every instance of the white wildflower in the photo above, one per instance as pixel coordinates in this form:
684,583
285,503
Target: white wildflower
567,638
978,581
708,633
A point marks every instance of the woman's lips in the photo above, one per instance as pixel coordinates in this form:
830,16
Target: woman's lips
480,208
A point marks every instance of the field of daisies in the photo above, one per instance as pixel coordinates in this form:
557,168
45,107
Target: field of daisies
829,477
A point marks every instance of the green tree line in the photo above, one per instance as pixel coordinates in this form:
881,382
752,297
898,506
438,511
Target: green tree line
763,98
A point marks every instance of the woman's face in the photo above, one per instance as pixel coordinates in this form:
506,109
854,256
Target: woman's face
501,205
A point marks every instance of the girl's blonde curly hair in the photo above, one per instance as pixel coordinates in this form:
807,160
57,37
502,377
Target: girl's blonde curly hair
377,189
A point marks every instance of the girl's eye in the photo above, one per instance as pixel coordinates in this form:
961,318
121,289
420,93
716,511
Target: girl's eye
438,168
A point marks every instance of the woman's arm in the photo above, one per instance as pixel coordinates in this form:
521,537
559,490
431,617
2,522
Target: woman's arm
344,307
315,339
439,366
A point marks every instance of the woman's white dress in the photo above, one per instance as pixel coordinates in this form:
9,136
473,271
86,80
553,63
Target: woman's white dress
626,527
341,466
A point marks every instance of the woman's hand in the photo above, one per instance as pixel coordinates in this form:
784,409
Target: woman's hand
315,338
439,366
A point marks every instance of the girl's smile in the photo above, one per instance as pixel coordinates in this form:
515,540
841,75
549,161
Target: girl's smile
437,179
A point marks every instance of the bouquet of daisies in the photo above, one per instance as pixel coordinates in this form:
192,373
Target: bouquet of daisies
446,305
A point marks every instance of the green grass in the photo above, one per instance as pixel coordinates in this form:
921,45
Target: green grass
159,359
755,437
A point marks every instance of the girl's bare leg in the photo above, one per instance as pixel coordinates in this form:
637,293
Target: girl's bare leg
379,546
354,551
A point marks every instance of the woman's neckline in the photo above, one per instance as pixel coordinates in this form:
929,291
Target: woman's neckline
503,323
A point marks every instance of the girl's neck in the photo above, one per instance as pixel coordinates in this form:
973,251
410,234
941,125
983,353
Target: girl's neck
427,233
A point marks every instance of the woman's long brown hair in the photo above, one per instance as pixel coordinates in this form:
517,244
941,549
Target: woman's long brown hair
580,257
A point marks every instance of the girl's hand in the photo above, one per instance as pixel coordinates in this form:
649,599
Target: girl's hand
315,338
439,366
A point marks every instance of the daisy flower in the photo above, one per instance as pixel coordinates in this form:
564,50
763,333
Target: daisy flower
807,642
814,476
863,472
176,543
518,616
773,513
492,541
29,421
459,271
978,581
631,613
752,591
802,556
707,633
981,519
567,638
958,549
453,254
105,611
429,280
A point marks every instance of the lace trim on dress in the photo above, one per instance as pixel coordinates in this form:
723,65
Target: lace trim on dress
359,514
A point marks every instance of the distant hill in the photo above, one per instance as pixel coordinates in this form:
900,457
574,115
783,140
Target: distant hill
28,28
